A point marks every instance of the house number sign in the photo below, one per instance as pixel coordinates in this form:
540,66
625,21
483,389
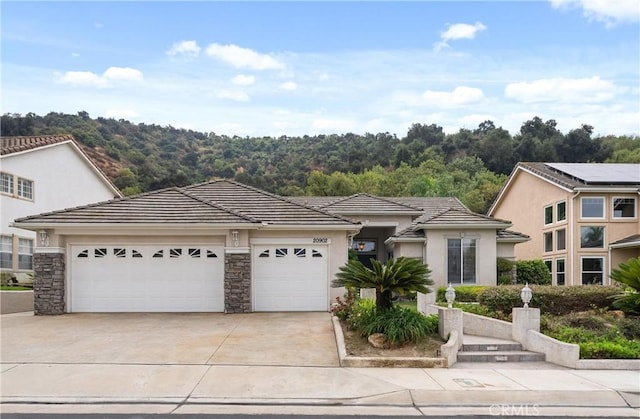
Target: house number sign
320,240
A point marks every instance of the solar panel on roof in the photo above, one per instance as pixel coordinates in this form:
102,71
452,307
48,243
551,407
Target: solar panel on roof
600,172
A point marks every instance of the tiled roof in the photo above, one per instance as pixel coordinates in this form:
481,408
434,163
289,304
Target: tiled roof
351,204
367,204
167,206
454,216
261,205
216,202
633,239
580,175
510,235
9,145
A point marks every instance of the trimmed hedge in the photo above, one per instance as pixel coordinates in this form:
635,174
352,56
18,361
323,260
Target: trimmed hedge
464,293
532,272
550,299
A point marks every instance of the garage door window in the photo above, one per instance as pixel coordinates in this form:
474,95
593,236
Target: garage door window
100,253
281,252
316,254
264,254
175,253
300,252
194,253
119,252
135,254
210,254
159,254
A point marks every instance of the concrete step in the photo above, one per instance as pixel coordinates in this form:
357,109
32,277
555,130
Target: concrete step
500,356
491,347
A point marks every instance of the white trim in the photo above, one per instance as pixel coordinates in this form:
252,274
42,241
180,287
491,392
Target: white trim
291,240
612,189
635,208
60,250
236,250
605,280
604,208
632,244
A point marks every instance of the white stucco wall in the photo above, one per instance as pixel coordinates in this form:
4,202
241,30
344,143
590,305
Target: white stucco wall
61,177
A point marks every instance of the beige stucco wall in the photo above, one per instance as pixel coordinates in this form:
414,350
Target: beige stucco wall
506,250
436,254
523,204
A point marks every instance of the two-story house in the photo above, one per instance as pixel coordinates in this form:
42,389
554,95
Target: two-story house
41,174
582,217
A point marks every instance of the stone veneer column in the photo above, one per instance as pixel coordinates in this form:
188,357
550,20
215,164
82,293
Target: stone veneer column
237,282
48,282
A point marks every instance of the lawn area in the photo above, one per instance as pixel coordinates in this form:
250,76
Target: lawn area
14,288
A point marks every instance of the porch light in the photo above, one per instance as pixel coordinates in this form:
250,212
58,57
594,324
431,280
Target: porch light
526,295
450,295
234,237
361,246
44,238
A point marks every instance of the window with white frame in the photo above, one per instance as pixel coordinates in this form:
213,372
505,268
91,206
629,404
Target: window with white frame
461,261
561,211
592,237
592,270
25,188
6,183
624,208
592,207
548,241
561,239
6,252
560,272
548,215
25,254
549,265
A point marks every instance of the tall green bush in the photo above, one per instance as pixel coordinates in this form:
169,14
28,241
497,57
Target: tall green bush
532,272
550,299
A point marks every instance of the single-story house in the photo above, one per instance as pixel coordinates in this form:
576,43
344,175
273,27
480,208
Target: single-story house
222,246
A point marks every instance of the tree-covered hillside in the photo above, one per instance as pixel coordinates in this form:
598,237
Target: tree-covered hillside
470,164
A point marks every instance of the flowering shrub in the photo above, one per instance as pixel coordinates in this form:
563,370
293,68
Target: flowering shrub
342,308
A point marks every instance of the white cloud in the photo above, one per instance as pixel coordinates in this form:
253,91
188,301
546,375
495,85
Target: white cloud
75,54
237,95
592,89
122,73
189,48
459,31
609,12
460,96
243,57
88,78
121,113
288,85
81,78
243,80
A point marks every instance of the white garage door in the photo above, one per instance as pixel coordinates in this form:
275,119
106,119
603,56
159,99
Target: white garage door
290,278
147,278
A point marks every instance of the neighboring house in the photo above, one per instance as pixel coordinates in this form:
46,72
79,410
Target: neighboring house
582,217
222,246
40,174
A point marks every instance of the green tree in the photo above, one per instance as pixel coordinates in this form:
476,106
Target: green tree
399,276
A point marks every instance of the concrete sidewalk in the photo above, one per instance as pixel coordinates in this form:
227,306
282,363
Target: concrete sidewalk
113,388
266,363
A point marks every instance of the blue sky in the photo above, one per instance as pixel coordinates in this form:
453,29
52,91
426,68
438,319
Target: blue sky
295,68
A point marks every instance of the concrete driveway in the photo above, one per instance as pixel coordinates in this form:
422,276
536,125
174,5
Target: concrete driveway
268,339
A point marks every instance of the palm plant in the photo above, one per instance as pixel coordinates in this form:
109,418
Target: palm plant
401,276
628,273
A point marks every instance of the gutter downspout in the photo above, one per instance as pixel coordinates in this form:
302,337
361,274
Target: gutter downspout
571,224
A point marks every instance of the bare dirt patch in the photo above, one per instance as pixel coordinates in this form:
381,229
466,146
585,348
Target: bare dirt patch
357,345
